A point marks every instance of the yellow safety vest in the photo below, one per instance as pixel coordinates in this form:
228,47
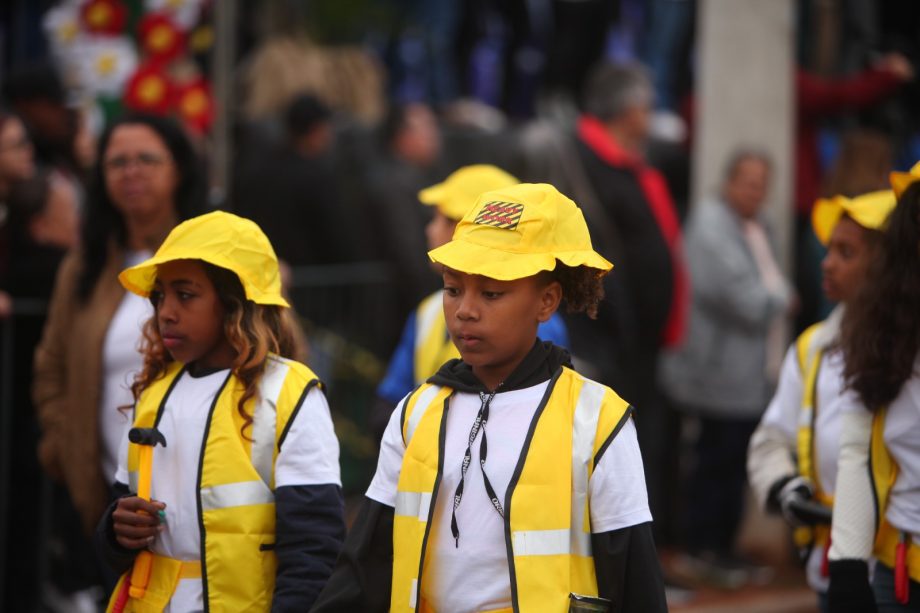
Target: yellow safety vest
236,502
884,472
433,346
809,356
547,514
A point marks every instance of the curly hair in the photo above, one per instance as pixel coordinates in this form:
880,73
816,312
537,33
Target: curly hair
582,287
881,330
253,330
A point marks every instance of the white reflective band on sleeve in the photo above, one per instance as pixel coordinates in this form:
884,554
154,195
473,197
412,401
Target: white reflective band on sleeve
549,543
133,481
264,416
421,405
413,591
584,431
235,495
413,504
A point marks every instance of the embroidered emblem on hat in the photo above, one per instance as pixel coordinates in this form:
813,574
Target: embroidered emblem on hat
504,215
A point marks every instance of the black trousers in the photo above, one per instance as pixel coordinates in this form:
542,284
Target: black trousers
715,500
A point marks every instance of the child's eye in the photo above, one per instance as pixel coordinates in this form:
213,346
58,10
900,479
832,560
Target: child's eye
451,291
156,297
492,295
185,295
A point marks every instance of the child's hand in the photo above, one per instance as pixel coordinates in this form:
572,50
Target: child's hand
136,522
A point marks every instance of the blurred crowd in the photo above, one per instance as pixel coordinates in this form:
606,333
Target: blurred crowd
332,145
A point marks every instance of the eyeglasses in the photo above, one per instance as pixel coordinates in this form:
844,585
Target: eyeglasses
144,161
20,143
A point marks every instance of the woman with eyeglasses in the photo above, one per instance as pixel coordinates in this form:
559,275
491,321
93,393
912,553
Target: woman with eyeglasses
148,178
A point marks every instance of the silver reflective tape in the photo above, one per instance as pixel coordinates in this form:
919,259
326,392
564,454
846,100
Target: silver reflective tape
235,495
133,481
550,543
413,591
413,504
421,406
584,431
264,418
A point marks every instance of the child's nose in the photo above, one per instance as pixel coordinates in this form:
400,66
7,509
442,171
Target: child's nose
467,308
166,310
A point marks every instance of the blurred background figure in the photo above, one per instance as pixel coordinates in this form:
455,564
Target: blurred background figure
792,458
148,179
634,224
410,159
724,373
292,193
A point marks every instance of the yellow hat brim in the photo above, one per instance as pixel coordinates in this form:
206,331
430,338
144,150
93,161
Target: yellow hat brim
476,259
869,211
140,279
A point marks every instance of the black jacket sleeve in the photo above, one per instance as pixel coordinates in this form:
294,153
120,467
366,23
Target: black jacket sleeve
309,530
627,569
362,577
850,590
116,557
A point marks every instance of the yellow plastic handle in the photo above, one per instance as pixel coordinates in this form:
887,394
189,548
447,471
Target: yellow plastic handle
140,574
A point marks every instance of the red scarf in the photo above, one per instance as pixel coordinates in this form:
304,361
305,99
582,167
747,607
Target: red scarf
594,134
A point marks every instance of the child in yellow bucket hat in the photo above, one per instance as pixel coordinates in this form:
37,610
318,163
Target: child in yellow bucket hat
231,493
425,343
507,481
792,458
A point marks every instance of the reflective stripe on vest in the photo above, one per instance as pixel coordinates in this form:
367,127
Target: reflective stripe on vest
236,511
809,356
547,519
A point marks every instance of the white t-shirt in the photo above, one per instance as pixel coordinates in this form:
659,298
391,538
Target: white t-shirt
309,456
902,438
121,361
784,413
475,576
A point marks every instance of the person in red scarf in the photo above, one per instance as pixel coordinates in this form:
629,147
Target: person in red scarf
633,220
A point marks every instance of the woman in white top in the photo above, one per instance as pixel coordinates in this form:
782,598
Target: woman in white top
147,180
877,509
792,458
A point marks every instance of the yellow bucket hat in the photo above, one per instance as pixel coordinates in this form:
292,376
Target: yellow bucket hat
516,232
900,181
458,192
869,210
221,239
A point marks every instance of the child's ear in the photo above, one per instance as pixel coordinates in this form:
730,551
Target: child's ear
550,297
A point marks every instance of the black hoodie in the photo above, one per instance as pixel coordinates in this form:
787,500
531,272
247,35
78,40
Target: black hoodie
625,560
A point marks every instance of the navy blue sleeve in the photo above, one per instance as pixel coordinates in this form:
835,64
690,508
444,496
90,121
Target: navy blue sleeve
363,575
309,530
554,330
116,557
400,377
628,571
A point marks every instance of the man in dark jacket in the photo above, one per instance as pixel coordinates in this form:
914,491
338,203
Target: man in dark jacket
635,224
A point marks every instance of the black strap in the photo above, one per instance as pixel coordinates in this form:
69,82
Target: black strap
479,424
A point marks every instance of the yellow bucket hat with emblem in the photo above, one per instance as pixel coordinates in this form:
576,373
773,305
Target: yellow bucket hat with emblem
518,231
900,181
459,191
221,239
869,210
